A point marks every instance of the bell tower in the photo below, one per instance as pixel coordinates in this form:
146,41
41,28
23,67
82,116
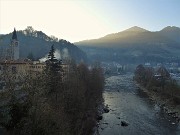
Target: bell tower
14,46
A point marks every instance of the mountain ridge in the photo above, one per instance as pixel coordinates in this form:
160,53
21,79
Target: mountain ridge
170,28
135,44
135,29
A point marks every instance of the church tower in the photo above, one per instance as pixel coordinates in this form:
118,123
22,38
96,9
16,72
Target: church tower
14,46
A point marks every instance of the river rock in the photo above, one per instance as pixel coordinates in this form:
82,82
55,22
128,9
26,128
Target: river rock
124,124
118,117
99,117
106,110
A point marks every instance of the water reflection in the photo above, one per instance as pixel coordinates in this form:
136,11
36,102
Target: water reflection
128,103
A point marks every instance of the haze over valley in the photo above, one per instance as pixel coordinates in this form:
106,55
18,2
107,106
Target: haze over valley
89,67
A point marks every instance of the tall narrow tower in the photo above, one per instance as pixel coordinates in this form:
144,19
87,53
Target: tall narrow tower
14,46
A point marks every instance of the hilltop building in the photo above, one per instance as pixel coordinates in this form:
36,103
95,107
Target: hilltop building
14,46
11,52
11,63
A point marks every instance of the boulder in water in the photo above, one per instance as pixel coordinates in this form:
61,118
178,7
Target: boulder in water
99,117
124,124
118,117
106,110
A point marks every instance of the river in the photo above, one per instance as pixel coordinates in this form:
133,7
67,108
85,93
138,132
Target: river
128,103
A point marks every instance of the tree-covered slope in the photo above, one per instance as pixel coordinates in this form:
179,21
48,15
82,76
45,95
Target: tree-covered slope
38,43
135,45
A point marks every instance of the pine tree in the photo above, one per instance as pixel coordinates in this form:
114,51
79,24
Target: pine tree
52,64
53,71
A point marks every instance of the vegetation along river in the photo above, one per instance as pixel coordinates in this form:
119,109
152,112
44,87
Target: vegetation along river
128,103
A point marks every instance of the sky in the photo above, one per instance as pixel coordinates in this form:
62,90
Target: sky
76,20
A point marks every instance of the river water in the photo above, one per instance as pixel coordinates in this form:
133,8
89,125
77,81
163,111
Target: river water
128,103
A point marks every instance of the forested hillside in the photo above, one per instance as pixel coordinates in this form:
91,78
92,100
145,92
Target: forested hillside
38,43
135,45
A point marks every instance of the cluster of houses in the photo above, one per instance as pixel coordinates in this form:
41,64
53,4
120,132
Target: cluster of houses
173,68
117,68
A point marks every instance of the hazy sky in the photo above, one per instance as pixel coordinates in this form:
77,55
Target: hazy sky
76,20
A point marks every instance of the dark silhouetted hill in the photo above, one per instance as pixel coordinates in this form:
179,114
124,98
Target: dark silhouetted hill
171,32
38,43
135,45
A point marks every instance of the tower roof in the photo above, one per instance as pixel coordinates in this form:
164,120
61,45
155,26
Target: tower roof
14,36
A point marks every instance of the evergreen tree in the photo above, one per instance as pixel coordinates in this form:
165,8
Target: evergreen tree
53,71
52,64
140,73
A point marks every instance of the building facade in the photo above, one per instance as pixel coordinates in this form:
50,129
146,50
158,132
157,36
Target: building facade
12,66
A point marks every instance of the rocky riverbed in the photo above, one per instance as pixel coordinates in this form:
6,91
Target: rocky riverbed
130,105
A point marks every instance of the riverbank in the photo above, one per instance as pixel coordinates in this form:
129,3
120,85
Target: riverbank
128,103
166,103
